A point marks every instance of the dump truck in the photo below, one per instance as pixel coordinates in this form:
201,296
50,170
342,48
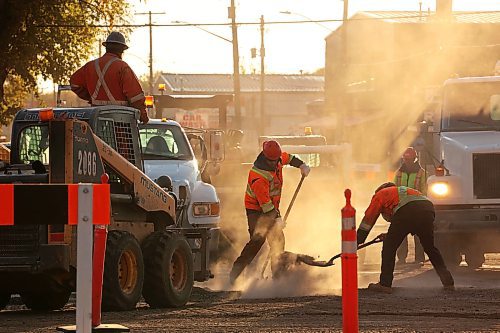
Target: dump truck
161,229
463,142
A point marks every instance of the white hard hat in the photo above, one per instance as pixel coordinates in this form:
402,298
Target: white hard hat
116,38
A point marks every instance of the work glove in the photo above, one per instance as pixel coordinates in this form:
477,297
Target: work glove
271,215
304,169
279,223
144,118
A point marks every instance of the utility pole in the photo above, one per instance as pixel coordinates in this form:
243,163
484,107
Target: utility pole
343,77
262,75
236,66
150,24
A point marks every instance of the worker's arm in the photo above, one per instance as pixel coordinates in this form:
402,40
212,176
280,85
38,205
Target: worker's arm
260,187
79,84
295,162
371,215
133,91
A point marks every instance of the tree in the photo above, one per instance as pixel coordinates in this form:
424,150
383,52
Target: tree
48,39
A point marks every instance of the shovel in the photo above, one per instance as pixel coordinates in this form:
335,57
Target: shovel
308,260
284,219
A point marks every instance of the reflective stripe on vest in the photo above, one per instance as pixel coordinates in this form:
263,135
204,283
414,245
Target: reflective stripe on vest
409,179
405,198
273,191
102,82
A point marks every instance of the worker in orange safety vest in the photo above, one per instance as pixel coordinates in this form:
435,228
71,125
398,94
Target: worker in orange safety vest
108,80
262,199
408,211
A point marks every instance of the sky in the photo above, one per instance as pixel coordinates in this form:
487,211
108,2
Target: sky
290,48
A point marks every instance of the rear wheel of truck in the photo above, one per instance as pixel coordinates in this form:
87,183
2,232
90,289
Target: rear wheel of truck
474,259
45,300
169,276
4,300
123,272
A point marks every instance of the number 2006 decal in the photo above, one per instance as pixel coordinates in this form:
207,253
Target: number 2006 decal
87,163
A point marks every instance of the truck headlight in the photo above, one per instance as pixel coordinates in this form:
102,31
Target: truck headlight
440,189
206,209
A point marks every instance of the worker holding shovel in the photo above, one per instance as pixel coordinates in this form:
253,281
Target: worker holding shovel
408,211
262,199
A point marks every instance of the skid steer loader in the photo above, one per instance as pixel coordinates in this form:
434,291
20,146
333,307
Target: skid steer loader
150,251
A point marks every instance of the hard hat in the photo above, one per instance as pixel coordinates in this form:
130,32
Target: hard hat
385,185
271,150
409,154
116,37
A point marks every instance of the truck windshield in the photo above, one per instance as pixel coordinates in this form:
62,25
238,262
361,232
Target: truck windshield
471,106
34,144
164,142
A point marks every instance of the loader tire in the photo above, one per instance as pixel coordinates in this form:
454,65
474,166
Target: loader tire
4,300
169,276
45,300
474,259
123,272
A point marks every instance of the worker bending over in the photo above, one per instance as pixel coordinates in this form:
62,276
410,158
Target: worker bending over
409,212
262,199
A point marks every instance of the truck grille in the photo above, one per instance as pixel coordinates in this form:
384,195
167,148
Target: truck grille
486,176
19,240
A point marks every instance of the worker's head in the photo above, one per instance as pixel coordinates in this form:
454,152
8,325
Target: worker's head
272,151
385,185
115,43
409,156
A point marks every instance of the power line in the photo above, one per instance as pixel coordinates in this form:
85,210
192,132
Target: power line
249,23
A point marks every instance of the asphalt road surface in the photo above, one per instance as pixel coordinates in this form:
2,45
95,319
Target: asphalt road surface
418,304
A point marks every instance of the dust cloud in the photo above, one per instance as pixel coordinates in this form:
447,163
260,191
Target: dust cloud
313,228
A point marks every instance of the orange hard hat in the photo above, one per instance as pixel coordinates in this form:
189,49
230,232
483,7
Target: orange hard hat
271,150
409,154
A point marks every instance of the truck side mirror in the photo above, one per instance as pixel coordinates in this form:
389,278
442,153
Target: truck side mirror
216,149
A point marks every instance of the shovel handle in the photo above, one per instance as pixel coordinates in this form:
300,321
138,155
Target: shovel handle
293,198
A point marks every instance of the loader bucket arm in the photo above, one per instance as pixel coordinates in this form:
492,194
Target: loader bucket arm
77,155
148,195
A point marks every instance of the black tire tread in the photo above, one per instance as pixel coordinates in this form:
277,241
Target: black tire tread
155,291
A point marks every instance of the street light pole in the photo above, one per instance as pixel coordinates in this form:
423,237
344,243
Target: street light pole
262,75
150,24
236,67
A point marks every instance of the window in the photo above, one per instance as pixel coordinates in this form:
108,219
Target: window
164,142
34,144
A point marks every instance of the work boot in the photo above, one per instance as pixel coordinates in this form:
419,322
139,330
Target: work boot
379,288
449,287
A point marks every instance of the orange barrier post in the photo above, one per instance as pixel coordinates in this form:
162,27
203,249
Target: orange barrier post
100,237
349,268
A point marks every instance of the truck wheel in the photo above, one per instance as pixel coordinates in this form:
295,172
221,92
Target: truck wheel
169,273
123,272
4,300
474,259
45,300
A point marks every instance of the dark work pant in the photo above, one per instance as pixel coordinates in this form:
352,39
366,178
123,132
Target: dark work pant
260,228
403,250
416,217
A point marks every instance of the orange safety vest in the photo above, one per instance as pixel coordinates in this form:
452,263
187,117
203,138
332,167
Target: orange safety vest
263,191
108,80
387,202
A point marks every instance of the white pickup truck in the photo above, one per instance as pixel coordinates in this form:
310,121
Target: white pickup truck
170,160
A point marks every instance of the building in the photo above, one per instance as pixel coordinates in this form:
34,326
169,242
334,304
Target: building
285,103
392,64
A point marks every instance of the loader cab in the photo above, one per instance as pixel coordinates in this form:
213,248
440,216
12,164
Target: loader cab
116,125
